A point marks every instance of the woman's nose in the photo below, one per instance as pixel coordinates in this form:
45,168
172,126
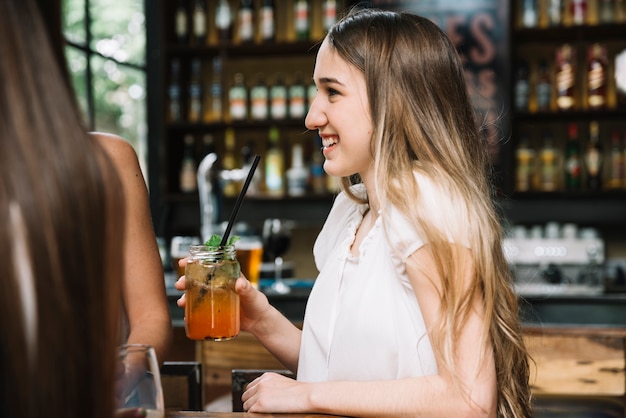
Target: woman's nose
315,117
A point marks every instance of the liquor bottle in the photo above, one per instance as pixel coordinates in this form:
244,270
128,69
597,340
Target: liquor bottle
606,12
187,179
298,174
238,99
223,21
596,76
229,162
195,92
311,92
573,164
529,14
525,157
555,17
594,158
521,87
267,23
565,78
318,175
274,164
199,22
302,24
173,91
248,154
329,13
616,176
297,96
548,160
259,99
214,111
278,98
578,11
181,21
245,22
619,71
543,87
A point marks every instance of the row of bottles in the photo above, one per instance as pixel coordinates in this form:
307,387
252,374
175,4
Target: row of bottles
278,174
207,101
593,164
542,86
204,22
555,13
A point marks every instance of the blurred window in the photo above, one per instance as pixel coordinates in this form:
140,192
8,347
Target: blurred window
106,53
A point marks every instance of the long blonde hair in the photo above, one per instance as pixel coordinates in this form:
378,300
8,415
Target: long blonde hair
61,223
423,122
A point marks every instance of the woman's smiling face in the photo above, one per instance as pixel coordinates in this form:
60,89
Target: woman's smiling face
340,113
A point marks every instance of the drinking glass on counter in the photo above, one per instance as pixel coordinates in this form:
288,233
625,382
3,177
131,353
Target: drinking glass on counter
212,308
250,257
277,238
139,380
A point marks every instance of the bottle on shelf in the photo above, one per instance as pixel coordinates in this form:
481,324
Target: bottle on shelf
274,164
187,179
245,22
548,159
525,157
606,11
199,22
298,174
297,97
173,92
522,88
596,76
224,21
195,92
278,98
329,14
616,175
230,188
267,22
302,23
238,99
311,92
619,70
565,78
573,163
529,13
555,12
594,158
543,87
248,154
214,111
180,22
578,11
318,175
259,99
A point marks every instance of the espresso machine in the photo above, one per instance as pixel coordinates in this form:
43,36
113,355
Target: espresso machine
555,259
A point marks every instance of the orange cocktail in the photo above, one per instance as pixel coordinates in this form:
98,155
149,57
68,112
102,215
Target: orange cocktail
212,308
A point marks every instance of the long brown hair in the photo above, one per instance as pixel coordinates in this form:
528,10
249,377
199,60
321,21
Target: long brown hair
424,124
61,223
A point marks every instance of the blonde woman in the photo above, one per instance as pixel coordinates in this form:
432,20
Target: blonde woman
412,313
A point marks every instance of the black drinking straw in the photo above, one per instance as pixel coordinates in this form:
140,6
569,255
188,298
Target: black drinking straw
235,211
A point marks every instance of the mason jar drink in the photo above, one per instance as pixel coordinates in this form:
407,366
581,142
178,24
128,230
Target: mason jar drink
212,308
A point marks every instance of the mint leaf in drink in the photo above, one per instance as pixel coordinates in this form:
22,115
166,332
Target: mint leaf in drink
216,240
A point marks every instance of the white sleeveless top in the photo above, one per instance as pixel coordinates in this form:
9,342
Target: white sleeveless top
362,320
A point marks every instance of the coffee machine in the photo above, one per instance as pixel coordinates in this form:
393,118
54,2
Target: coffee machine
555,259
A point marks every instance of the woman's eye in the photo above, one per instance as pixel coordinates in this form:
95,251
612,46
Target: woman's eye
332,92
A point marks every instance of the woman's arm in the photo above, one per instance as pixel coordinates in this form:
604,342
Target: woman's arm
145,300
429,396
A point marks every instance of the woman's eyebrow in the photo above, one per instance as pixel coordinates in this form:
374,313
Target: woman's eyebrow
327,80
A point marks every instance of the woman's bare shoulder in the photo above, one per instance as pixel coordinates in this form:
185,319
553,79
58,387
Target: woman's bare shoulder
119,150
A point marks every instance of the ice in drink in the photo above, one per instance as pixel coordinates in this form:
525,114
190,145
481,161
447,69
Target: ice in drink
212,308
